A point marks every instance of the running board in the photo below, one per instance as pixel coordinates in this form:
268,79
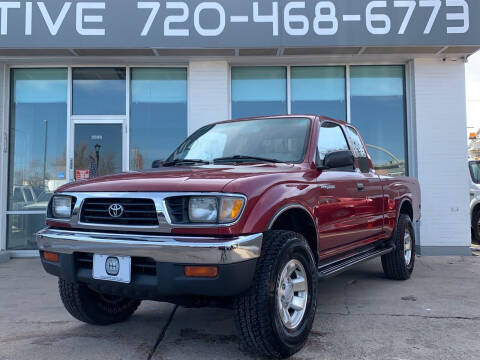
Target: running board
339,266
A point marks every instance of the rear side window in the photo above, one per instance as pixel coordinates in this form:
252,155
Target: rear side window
358,149
330,139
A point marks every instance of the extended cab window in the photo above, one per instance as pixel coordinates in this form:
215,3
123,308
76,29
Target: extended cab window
358,149
330,139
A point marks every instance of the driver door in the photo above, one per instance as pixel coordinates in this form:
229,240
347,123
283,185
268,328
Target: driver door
341,202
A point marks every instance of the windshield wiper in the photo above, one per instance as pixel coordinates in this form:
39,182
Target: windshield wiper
185,161
241,158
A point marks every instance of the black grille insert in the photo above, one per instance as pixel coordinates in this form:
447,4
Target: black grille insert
178,209
136,212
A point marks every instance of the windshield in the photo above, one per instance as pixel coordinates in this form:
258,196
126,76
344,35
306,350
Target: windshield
281,140
475,171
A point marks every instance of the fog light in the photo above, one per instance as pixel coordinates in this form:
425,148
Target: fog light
201,271
52,257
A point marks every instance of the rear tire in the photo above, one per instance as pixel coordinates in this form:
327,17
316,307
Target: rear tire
399,264
285,280
94,308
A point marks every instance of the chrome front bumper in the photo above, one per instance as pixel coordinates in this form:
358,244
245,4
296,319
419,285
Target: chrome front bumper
168,249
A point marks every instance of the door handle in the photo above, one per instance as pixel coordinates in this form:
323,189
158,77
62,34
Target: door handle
360,187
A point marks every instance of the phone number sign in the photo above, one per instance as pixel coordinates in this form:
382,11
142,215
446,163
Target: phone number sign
237,24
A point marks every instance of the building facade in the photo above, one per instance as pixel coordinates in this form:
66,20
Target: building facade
120,84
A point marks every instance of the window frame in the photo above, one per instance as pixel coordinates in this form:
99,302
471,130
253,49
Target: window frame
346,71
128,134
408,114
71,121
125,96
406,111
288,102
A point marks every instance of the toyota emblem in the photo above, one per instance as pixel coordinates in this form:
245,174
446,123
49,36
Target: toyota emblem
115,210
112,266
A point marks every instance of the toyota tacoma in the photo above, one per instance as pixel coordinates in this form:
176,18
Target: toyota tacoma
247,214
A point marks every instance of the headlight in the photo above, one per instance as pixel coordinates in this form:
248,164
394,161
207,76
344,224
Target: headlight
210,209
203,209
62,207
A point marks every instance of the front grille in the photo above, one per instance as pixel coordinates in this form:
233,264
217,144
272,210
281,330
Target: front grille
140,265
178,209
137,212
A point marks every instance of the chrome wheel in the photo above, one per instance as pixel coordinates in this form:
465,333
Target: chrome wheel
407,246
292,294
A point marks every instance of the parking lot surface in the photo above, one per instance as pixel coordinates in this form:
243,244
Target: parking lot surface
360,315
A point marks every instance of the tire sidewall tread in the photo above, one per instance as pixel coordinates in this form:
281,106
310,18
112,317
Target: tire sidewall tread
393,263
87,306
256,314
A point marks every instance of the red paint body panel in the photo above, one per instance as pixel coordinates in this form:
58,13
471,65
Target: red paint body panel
345,218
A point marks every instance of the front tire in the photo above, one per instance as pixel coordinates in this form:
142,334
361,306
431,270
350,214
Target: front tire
399,264
94,308
275,316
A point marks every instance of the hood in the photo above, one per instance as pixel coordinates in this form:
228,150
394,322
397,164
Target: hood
207,178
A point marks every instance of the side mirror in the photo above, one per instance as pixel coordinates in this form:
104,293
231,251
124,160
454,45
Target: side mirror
157,163
339,159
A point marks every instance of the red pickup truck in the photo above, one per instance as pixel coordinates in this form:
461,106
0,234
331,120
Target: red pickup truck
246,213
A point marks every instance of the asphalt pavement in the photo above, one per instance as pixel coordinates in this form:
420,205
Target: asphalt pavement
360,315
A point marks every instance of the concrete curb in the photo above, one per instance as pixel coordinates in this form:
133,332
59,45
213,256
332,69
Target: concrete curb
4,257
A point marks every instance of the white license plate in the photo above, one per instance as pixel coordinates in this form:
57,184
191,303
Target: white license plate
112,268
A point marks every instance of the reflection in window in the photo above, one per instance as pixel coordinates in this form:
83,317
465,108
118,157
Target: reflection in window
385,162
38,129
319,90
38,133
21,230
258,91
97,144
378,111
99,91
358,149
283,139
330,139
158,114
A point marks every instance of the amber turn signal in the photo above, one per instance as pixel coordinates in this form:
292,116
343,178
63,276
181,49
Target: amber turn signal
201,271
52,257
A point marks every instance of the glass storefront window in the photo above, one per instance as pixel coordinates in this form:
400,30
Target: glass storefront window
38,134
158,114
21,230
378,111
99,91
259,91
319,90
